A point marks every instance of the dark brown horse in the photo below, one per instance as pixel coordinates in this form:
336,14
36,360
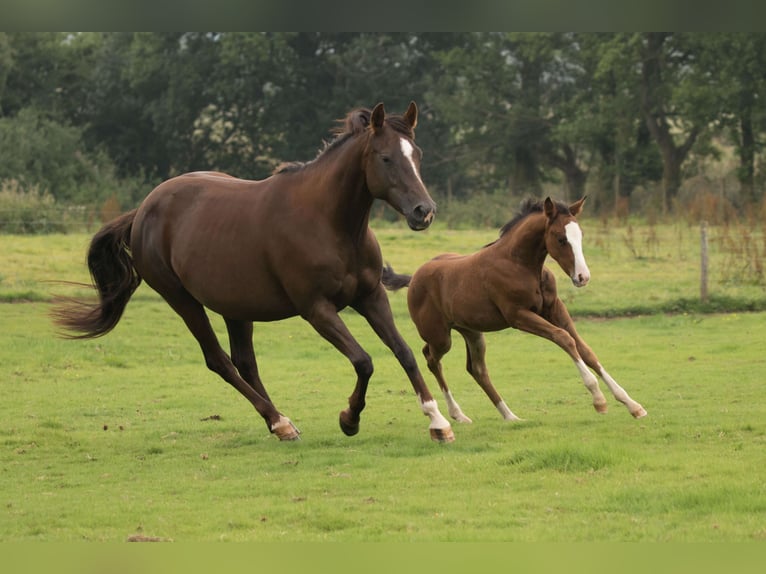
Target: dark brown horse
296,243
505,285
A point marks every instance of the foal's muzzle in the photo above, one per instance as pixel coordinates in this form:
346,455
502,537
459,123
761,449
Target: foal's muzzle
580,278
421,216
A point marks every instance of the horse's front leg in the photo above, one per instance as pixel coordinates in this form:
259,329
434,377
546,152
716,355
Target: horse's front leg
324,317
559,316
376,308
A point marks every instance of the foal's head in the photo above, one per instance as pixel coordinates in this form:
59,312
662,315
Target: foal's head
563,240
392,166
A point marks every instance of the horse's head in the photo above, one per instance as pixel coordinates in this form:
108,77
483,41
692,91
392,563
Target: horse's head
392,166
563,240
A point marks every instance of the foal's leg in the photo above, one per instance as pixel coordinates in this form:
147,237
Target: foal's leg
438,343
433,352
531,322
476,365
193,314
559,316
243,355
436,334
377,310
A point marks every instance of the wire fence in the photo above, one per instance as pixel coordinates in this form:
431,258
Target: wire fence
50,219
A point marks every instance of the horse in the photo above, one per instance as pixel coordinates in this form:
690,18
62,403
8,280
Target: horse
505,284
295,243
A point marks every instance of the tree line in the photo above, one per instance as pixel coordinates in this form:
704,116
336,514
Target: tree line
86,116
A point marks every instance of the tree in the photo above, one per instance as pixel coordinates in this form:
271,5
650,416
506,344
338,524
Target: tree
6,61
42,79
472,93
670,97
733,64
146,92
514,99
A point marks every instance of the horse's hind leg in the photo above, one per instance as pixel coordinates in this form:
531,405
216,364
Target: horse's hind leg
193,314
438,344
476,365
433,360
243,355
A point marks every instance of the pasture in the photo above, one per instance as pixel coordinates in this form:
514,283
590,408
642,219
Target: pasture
131,437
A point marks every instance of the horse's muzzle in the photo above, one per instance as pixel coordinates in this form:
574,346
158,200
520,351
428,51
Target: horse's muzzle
421,217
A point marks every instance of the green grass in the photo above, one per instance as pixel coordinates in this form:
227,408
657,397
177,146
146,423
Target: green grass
130,435
636,268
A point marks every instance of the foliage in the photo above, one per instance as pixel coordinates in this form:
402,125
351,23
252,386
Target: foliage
41,153
609,114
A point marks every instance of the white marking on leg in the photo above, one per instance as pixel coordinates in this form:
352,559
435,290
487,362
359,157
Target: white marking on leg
581,273
431,410
454,409
621,395
408,150
591,383
506,413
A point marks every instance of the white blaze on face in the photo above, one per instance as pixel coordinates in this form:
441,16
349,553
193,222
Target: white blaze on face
581,274
408,151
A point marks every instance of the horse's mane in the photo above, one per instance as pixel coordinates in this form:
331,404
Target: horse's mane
528,207
356,122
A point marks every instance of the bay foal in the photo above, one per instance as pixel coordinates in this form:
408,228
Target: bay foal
503,285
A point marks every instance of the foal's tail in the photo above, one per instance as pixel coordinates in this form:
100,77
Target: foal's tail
114,277
394,281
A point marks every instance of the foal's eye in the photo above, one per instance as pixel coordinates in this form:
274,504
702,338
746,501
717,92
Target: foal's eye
385,159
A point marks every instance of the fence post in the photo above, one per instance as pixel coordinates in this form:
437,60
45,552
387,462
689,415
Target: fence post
703,262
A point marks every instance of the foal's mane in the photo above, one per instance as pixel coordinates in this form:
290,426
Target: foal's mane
528,207
356,122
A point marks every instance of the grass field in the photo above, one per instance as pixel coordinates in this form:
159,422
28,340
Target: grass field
130,437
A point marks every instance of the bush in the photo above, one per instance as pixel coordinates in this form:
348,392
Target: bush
43,155
29,211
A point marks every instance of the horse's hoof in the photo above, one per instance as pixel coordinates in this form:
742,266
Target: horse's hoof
285,430
442,435
348,423
601,408
640,412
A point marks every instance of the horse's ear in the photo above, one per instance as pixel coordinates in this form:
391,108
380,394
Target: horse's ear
377,117
550,208
576,207
411,115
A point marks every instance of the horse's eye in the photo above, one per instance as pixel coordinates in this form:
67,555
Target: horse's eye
385,159
562,240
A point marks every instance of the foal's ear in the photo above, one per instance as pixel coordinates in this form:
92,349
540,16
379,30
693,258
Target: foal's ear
576,207
411,115
550,208
377,117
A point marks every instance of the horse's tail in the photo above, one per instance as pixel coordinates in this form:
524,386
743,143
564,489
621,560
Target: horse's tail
114,277
394,281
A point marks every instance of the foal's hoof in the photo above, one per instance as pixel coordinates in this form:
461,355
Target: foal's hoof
349,423
601,408
638,413
442,435
285,429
